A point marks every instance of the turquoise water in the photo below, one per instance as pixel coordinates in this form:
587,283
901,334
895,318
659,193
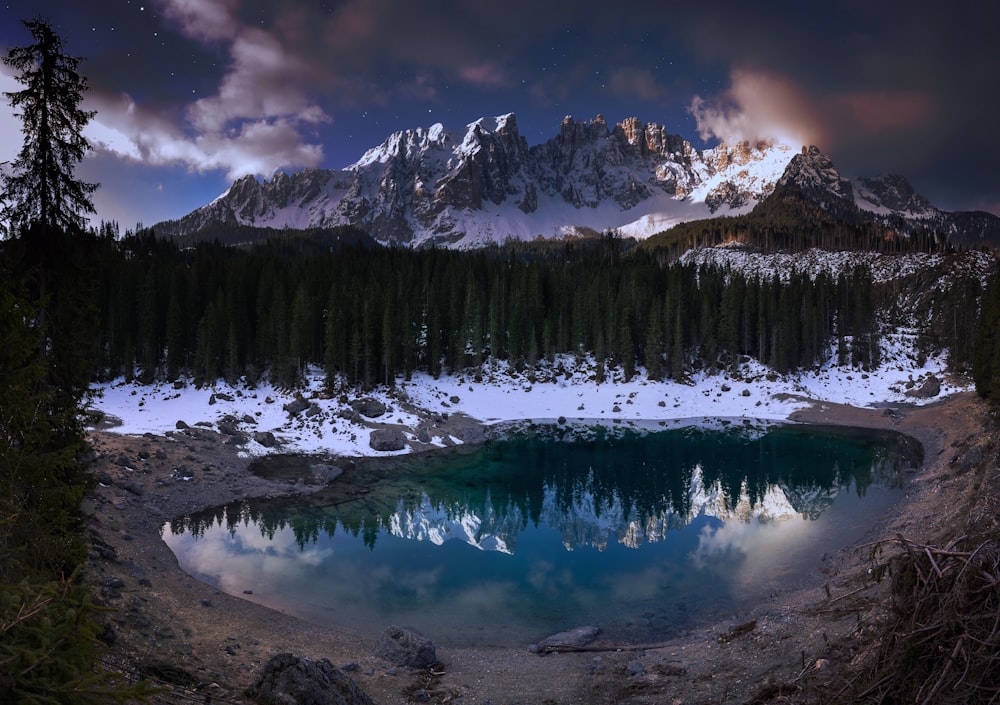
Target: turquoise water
643,534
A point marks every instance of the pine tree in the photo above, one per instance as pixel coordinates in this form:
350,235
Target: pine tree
41,189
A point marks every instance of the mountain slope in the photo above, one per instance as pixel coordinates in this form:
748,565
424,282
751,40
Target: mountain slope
486,185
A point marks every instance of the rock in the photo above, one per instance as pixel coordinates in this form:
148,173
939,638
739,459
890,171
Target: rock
405,647
248,419
325,472
387,439
266,439
573,638
228,428
372,408
746,392
423,435
221,396
313,410
930,388
472,434
287,679
635,668
296,406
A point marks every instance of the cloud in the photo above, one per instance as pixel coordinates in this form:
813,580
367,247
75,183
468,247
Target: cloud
257,120
264,81
203,19
258,147
757,106
11,137
485,74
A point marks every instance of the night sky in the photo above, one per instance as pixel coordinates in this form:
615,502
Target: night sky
191,94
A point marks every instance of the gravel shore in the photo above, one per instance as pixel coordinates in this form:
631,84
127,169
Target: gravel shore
168,623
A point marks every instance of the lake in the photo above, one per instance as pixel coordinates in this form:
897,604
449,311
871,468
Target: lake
646,534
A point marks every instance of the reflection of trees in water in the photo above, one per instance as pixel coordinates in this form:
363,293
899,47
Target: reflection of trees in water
630,484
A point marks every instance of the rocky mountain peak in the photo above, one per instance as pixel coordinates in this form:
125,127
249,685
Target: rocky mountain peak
484,184
814,172
892,192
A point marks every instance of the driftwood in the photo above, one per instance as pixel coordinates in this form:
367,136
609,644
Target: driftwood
733,633
565,649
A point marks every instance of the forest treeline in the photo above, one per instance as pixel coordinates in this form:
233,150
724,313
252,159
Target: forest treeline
368,315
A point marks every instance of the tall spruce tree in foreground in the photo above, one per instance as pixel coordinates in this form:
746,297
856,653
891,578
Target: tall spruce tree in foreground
39,188
49,646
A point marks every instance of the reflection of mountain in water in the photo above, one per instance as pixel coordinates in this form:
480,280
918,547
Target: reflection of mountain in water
629,488
587,520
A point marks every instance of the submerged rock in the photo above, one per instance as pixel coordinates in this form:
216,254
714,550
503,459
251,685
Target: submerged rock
572,638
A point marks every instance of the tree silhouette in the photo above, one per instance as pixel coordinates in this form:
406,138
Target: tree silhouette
39,188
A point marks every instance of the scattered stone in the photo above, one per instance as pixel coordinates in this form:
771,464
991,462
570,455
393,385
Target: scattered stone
313,410
296,406
635,668
454,399
372,408
386,439
287,678
405,647
221,396
572,638
326,472
248,419
746,392
930,388
726,388
111,589
472,434
423,435
266,439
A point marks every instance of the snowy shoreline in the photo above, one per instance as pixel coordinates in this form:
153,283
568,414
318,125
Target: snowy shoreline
502,395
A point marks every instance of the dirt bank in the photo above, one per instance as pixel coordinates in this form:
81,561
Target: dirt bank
174,625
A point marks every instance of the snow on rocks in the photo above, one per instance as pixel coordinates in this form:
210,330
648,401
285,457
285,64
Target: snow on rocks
429,412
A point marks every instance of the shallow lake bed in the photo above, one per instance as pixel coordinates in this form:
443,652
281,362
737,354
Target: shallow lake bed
645,534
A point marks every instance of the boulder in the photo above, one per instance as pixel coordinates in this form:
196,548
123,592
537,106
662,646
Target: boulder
930,388
405,647
296,406
287,678
387,439
372,408
266,439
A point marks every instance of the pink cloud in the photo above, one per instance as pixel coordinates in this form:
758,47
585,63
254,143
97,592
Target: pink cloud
881,111
483,74
758,105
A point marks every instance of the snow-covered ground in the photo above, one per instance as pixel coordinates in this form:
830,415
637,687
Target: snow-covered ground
503,395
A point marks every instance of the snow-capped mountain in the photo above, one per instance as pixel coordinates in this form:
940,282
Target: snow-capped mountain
596,522
889,199
485,185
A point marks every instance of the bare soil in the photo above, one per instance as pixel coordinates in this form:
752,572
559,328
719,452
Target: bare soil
800,646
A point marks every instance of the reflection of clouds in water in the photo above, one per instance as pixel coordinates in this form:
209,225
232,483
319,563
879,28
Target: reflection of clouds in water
757,552
237,562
